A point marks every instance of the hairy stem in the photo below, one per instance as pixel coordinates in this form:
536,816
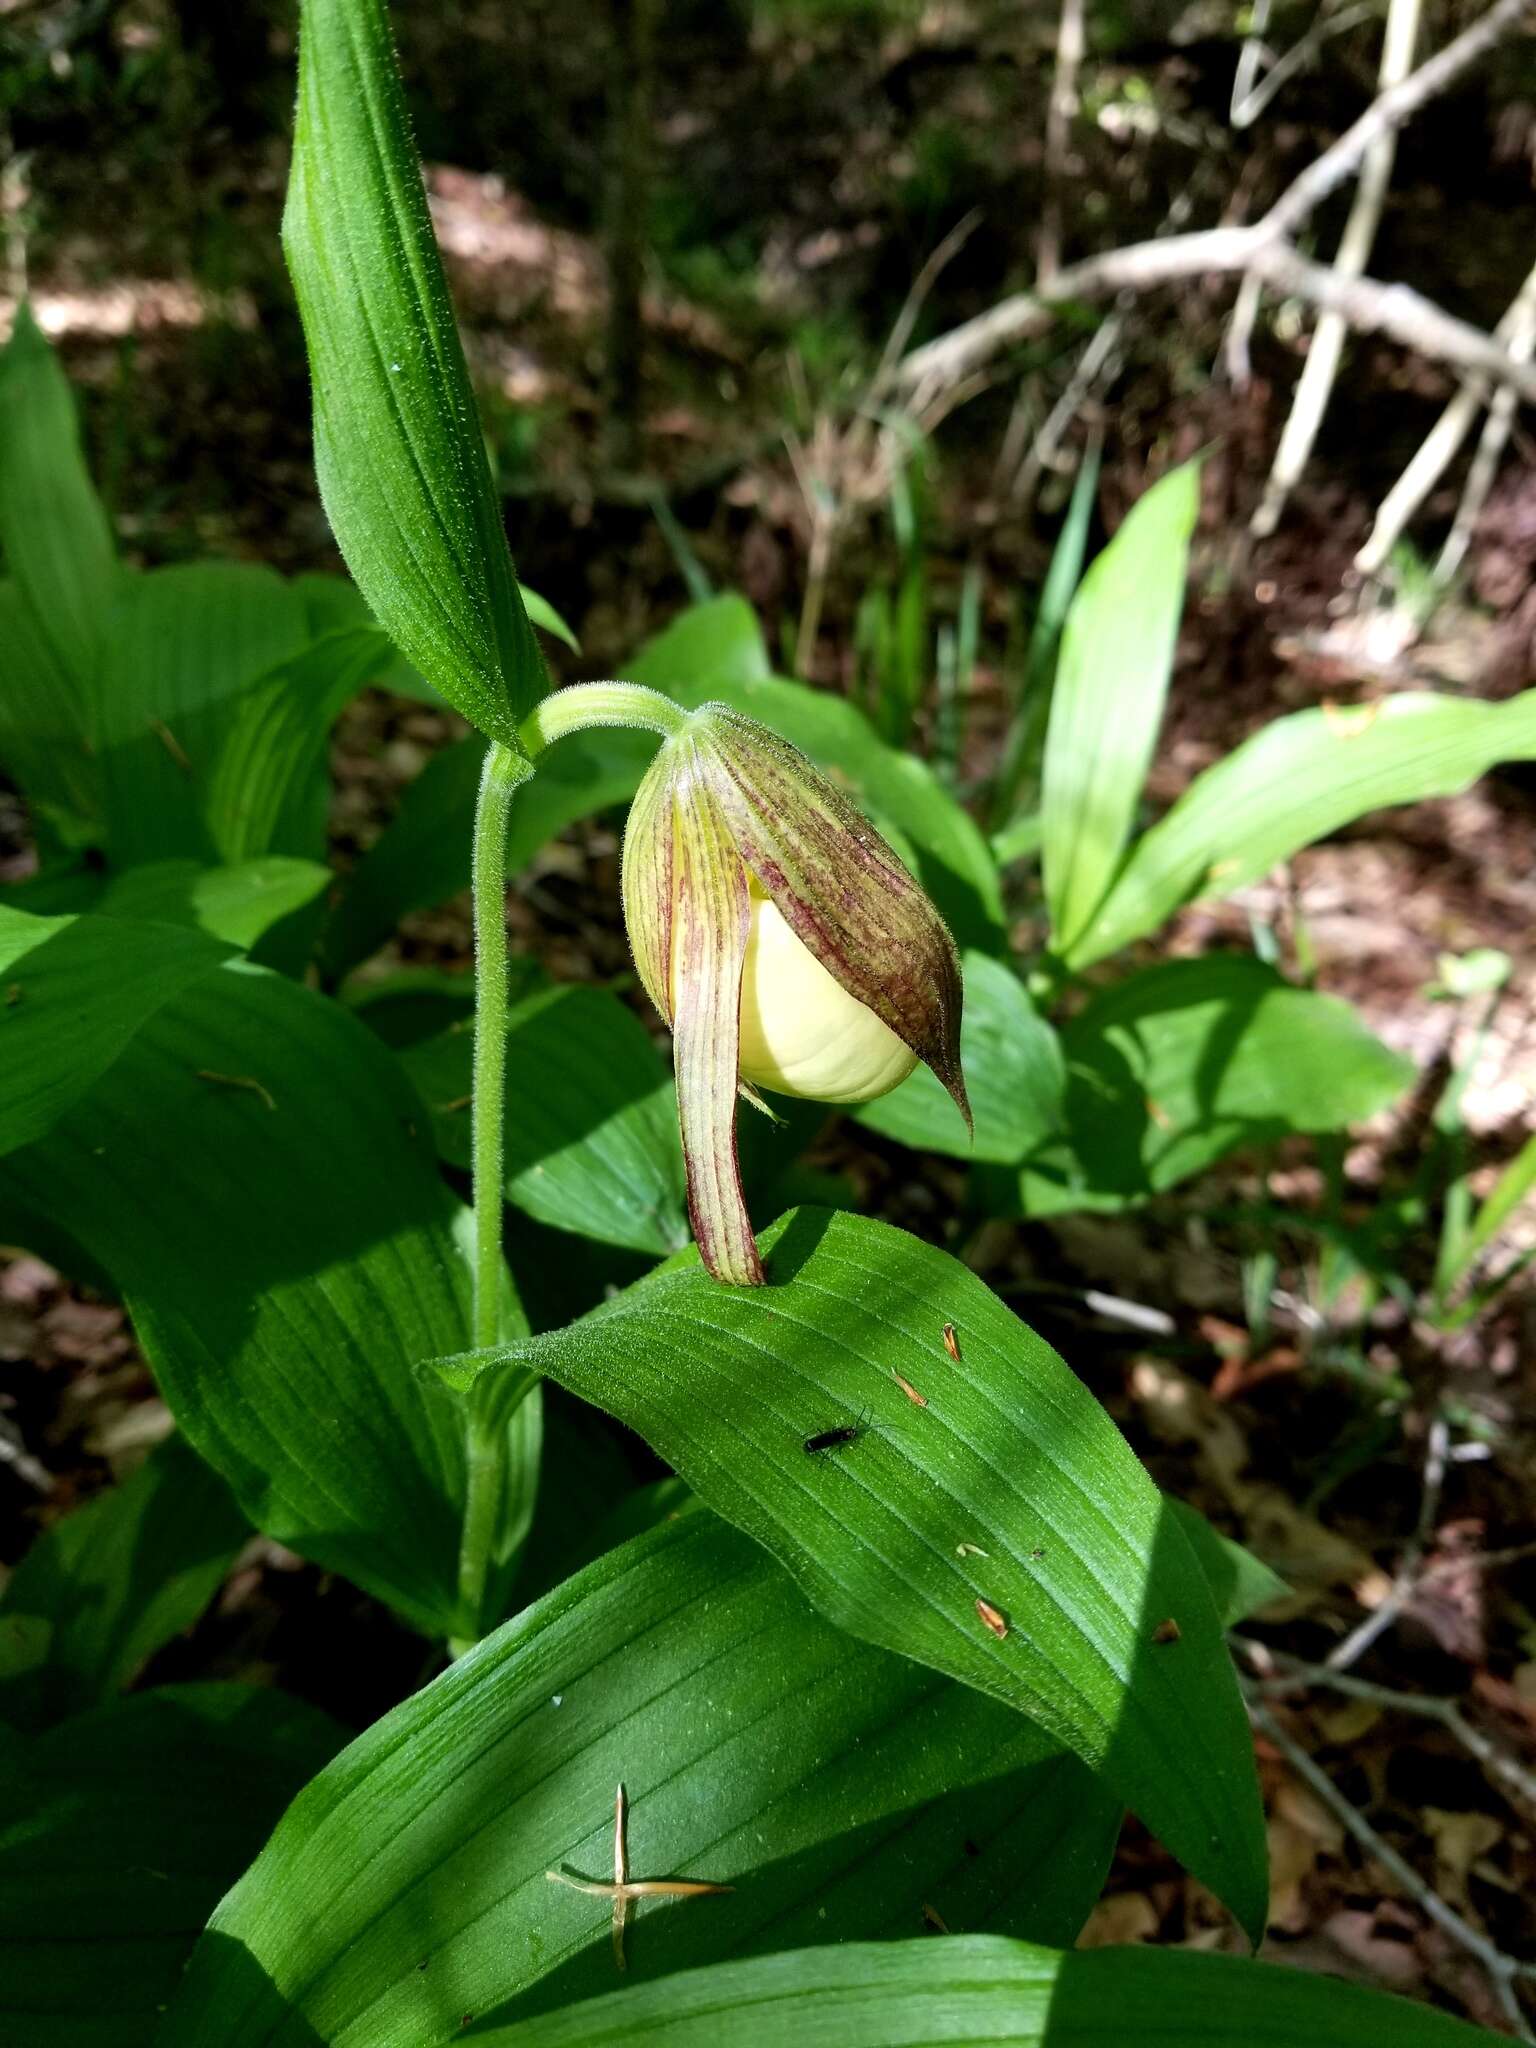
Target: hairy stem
487,1445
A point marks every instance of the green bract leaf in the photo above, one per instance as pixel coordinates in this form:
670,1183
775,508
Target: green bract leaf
285,1272
1073,1548
1013,1072
591,1129
73,991
976,1987
238,905
118,1833
1111,683
837,1788
52,526
107,1585
1295,782
398,448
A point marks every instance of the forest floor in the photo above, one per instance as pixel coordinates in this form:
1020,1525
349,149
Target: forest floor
197,418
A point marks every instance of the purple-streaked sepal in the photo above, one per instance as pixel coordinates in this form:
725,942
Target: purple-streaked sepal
840,888
688,903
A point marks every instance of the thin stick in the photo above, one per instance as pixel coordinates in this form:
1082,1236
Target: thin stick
1058,132
1502,1969
1490,446
1314,387
1250,98
1263,247
1299,1676
1438,449
1364,303
1405,1581
1389,111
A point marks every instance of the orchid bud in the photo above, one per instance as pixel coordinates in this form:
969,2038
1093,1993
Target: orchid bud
784,943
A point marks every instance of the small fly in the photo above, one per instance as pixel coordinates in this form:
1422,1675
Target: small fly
837,1439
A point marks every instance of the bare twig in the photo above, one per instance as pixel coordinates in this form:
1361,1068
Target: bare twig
1490,446
1058,131
1249,58
1406,1578
1298,1676
1503,1970
1251,94
1315,385
1235,358
1438,449
1263,248
1394,310
1400,313
1388,112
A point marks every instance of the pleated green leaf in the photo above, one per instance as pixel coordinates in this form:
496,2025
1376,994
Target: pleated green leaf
237,904
53,528
1013,1074
974,1988
107,1585
591,1120
118,1833
1176,1066
43,739
182,646
73,991
1295,782
1112,674
258,1180
1002,1533
404,1896
398,448
275,744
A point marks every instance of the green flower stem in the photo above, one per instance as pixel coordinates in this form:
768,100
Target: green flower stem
569,710
486,1450
584,704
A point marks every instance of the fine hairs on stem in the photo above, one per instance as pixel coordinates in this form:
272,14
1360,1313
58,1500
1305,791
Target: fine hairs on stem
486,1449
624,704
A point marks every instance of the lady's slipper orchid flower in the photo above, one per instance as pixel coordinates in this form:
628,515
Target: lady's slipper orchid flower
784,943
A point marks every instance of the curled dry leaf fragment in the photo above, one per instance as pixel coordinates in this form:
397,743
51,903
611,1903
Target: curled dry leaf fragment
995,1621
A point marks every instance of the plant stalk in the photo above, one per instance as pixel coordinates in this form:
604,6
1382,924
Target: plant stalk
486,1450
485,1496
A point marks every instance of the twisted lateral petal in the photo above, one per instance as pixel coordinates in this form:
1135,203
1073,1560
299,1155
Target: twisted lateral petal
710,908
839,887
649,881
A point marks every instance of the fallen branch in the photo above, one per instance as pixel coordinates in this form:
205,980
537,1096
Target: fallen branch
1295,1675
1262,249
1363,303
1314,387
1438,449
1503,1970
1389,111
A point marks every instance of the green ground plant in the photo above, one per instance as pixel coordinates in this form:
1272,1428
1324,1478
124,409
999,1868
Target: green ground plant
911,1628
